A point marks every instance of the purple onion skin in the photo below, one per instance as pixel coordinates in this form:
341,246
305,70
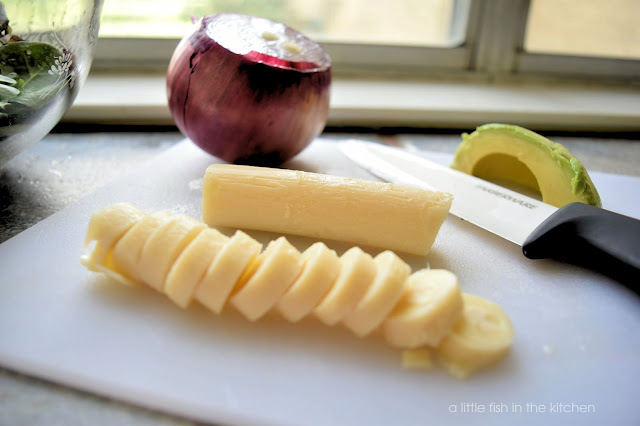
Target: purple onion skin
240,110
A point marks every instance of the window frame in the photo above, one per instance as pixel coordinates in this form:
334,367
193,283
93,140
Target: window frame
494,37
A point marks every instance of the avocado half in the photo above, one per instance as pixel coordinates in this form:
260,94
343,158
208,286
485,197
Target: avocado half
523,160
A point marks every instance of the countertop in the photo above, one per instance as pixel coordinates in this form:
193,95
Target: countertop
65,167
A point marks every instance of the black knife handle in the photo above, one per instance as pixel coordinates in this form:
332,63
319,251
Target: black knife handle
590,237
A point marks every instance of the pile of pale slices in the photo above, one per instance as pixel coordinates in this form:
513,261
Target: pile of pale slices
421,312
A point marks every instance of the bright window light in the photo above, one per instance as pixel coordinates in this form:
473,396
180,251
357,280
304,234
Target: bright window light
401,22
585,27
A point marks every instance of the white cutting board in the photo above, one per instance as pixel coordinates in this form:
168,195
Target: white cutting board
577,334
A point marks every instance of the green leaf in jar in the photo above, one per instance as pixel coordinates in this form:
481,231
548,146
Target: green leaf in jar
31,74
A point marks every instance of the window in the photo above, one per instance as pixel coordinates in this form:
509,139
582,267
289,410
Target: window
481,39
588,28
405,63
402,22
362,36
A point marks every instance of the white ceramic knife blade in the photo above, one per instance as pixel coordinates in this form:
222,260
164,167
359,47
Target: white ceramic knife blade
577,233
507,213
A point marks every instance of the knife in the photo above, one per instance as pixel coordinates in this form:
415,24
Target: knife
577,233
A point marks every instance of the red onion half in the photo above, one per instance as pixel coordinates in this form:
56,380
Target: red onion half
249,90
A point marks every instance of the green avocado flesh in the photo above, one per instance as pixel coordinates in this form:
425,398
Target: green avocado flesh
527,162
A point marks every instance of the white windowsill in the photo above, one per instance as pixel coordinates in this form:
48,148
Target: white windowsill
141,99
